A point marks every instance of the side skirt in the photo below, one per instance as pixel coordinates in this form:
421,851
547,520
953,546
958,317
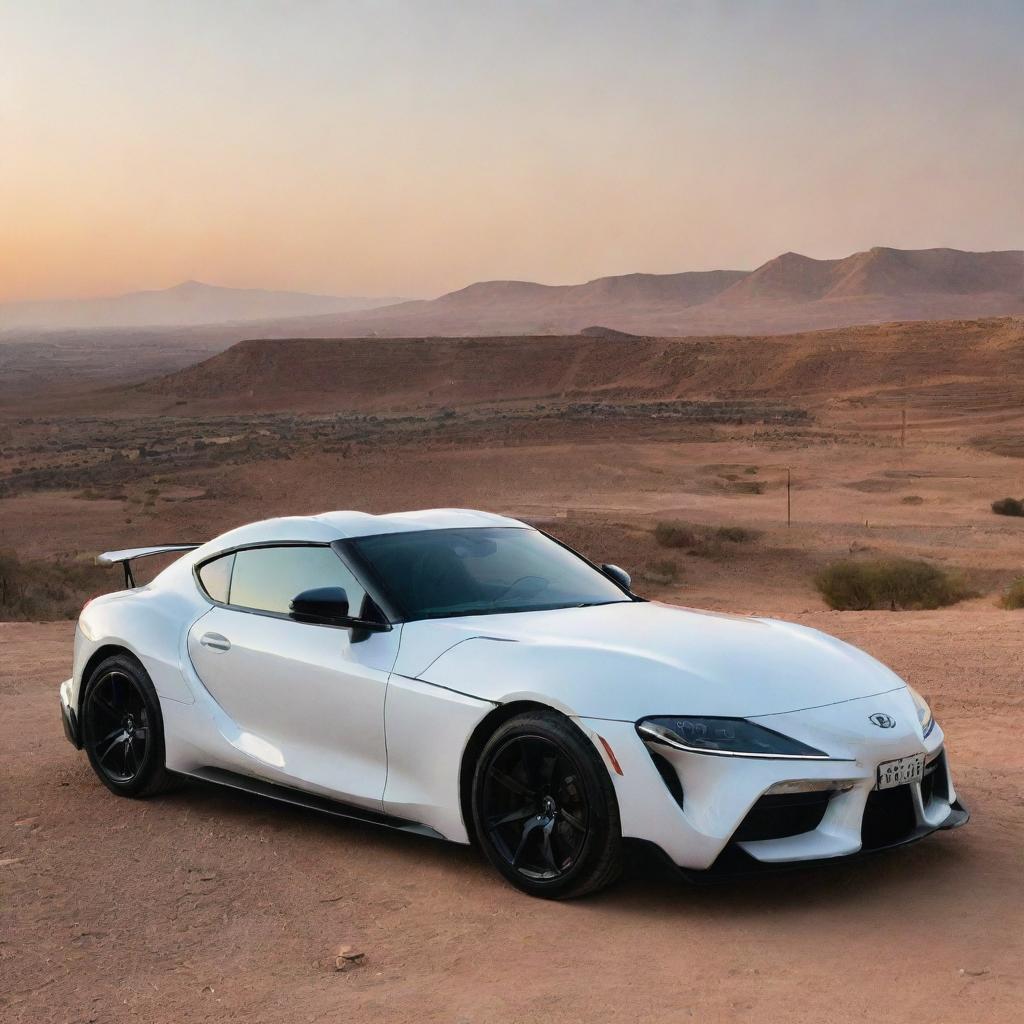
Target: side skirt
310,801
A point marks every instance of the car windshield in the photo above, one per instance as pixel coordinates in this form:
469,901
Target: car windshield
482,571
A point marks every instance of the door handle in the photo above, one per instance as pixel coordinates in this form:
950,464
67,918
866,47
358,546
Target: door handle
215,642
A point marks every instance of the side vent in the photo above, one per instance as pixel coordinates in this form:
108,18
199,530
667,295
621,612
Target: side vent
668,774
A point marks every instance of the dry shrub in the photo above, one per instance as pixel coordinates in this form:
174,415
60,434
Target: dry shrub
674,535
1008,507
661,571
893,584
706,541
747,486
912,499
1014,596
736,534
37,590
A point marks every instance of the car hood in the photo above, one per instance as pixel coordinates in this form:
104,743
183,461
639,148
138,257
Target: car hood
628,660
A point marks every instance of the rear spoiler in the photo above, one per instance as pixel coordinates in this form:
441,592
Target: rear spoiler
125,556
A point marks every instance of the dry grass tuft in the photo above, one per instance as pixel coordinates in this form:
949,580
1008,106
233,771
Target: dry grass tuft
706,541
39,591
1008,507
1014,596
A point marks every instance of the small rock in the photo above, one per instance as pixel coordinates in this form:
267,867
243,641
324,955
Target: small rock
973,972
347,958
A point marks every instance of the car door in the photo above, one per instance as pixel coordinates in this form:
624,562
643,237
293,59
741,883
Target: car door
308,700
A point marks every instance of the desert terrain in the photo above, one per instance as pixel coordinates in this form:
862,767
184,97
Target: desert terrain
895,439
58,346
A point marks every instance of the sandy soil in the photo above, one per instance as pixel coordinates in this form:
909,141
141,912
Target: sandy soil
207,905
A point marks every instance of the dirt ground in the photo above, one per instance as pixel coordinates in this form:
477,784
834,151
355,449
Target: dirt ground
209,905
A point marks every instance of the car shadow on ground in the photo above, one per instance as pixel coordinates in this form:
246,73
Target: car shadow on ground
889,877
649,883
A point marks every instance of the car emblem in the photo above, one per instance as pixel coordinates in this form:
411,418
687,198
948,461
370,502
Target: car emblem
883,721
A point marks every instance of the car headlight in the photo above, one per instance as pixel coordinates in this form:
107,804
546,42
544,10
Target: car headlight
924,713
726,737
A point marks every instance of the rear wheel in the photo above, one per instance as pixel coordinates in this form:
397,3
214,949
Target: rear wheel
122,729
544,808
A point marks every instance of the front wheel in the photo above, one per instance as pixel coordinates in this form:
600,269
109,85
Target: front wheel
122,729
544,808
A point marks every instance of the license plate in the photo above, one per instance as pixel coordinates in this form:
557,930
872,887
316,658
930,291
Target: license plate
901,771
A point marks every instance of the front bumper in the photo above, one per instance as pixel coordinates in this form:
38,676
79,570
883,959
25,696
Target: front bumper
706,812
736,863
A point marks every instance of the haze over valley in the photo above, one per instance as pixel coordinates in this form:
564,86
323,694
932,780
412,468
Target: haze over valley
134,336
185,304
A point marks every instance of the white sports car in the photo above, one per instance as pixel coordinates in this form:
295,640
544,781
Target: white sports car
465,676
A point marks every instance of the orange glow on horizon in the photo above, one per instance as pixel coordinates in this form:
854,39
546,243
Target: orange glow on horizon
411,149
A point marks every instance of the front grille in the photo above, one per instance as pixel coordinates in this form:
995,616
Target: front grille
888,817
782,815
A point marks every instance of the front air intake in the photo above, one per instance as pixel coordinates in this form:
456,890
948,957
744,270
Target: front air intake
782,815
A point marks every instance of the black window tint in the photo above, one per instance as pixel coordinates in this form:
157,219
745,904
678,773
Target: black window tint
482,570
215,577
267,579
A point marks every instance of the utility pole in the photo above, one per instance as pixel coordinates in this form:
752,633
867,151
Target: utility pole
789,497
903,428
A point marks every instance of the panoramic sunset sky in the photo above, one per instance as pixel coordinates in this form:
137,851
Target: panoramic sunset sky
409,148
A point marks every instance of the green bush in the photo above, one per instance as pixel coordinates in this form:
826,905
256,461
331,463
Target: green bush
888,583
1014,596
1008,507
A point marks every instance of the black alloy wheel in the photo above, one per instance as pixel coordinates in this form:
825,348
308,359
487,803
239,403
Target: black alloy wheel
537,815
544,807
122,728
119,726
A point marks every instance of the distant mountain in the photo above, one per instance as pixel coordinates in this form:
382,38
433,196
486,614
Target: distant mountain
880,273
628,290
789,293
186,304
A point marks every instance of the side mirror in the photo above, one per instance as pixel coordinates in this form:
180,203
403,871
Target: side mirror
328,606
620,576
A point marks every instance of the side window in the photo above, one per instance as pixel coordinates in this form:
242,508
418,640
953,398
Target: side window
266,579
215,577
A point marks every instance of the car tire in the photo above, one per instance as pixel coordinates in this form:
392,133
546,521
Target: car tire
544,808
122,729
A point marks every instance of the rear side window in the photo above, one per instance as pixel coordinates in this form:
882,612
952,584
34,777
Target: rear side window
215,577
266,579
